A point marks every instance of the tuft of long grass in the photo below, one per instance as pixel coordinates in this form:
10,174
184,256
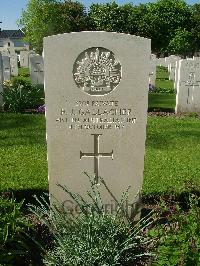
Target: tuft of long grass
93,237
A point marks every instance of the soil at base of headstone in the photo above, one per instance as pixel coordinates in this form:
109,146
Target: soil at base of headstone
168,114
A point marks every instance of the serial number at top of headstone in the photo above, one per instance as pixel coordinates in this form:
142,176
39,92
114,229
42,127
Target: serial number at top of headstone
96,71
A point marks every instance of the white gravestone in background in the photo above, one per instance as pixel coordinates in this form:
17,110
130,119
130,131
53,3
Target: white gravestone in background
171,61
14,64
96,94
24,58
161,62
152,73
6,67
176,75
188,86
172,70
36,69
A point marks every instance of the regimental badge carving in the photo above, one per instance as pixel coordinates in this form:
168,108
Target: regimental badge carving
96,71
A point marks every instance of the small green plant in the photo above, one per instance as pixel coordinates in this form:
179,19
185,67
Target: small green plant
21,95
92,236
12,226
179,238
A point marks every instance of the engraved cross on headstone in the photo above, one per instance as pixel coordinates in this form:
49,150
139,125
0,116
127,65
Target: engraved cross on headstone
96,155
190,84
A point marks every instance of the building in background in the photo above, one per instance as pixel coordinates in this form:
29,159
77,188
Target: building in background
13,39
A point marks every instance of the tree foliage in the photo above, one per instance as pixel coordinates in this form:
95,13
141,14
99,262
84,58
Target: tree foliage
162,20
182,43
172,25
110,17
47,17
195,29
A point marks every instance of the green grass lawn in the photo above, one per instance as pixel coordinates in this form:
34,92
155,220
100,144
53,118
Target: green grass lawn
22,152
162,102
23,74
162,72
172,161
172,154
165,84
162,83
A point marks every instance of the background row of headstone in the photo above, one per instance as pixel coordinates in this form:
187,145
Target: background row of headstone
28,59
9,67
186,76
184,73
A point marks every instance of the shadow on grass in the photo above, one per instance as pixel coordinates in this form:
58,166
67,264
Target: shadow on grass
190,133
173,131
182,199
161,102
21,129
12,120
26,194
23,139
161,109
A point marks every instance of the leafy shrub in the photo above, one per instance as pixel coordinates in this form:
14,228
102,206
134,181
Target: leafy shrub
179,238
12,225
21,95
93,237
20,81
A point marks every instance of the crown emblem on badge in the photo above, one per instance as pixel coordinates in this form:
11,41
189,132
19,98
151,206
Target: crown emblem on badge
96,71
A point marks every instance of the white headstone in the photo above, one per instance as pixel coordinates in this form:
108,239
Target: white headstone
24,58
14,64
36,69
172,70
152,74
176,74
161,62
6,67
96,93
188,86
171,61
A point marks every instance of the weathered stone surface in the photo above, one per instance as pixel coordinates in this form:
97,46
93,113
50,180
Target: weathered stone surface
96,86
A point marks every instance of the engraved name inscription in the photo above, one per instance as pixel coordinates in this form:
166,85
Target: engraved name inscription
93,115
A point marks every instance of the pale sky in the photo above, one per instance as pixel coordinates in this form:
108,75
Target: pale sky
10,10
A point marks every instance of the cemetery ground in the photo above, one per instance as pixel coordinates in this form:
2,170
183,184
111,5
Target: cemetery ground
171,174
171,161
